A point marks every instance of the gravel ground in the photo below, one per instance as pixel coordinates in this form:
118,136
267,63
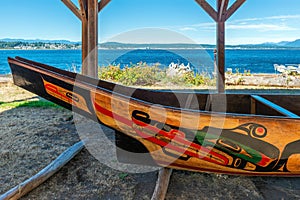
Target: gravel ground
30,138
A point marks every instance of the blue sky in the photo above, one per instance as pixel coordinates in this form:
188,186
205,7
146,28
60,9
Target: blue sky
257,21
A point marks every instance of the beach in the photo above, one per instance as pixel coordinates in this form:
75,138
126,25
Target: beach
31,137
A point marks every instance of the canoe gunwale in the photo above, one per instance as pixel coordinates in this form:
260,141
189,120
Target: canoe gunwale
240,145
90,83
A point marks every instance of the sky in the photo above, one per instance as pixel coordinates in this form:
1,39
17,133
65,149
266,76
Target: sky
153,21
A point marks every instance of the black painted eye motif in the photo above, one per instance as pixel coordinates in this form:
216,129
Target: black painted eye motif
258,131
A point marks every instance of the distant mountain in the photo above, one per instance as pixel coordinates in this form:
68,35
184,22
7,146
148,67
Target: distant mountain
11,43
295,43
39,41
117,45
283,44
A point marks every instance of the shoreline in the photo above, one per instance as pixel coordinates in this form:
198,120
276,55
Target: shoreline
233,82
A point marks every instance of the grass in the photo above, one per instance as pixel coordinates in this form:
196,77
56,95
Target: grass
29,104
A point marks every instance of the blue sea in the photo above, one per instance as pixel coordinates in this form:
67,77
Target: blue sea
257,61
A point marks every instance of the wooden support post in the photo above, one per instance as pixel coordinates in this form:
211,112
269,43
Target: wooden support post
162,184
220,16
88,14
222,7
84,36
221,56
92,38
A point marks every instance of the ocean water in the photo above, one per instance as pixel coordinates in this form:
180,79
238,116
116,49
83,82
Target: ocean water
257,61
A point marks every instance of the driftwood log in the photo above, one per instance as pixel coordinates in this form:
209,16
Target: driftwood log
162,184
33,182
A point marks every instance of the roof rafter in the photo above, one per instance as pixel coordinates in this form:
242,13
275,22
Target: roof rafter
73,8
102,4
210,10
237,4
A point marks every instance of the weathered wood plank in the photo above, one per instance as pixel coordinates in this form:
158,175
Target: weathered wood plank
72,7
102,4
274,106
162,184
33,182
234,8
210,10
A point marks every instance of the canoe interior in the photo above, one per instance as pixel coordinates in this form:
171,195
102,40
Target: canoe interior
223,133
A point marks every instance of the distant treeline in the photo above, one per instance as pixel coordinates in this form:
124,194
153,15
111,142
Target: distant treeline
36,45
116,45
60,44
282,45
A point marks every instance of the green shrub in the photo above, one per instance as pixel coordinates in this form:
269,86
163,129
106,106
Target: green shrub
141,74
111,73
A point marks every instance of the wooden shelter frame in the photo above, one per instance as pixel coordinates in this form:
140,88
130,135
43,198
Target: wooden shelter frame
88,15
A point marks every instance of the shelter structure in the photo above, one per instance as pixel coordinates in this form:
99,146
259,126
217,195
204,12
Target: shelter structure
88,15
220,16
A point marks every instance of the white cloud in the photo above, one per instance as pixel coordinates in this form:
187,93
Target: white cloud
260,27
284,17
188,29
279,17
272,23
248,30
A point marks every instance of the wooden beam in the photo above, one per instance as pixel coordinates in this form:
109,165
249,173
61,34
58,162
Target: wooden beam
222,10
33,182
234,8
210,10
72,7
83,8
221,56
92,23
84,36
102,4
162,184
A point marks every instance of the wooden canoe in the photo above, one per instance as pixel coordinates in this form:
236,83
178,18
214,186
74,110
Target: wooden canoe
179,129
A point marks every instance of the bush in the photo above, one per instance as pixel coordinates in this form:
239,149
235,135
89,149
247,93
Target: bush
111,73
141,74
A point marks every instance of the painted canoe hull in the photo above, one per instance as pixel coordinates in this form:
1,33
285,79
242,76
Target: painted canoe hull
170,125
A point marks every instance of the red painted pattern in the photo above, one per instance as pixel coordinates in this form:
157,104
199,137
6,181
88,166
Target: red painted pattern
264,160
54,89
210,154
